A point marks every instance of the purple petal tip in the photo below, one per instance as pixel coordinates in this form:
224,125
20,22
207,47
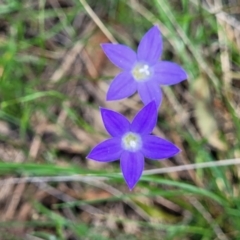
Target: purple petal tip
104,45
109,98
179,150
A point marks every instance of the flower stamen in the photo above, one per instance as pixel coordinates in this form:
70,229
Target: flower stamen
141,72
131,142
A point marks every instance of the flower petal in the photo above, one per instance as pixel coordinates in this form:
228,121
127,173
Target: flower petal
150,91
121,87
107,151
157,148
132,165
145,120
168,73
120,55
150,47
115,123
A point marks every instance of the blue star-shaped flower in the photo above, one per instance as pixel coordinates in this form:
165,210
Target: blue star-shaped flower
142,72
131,142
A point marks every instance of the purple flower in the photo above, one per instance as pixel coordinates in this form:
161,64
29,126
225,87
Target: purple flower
142,71
131,142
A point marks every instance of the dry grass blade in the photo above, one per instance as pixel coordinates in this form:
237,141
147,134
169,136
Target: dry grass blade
221,163
12,206
219,233
97,20
68,60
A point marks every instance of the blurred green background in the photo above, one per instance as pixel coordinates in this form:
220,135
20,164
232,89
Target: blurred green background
53,78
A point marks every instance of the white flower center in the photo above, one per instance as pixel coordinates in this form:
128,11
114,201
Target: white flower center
131,142
141,72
